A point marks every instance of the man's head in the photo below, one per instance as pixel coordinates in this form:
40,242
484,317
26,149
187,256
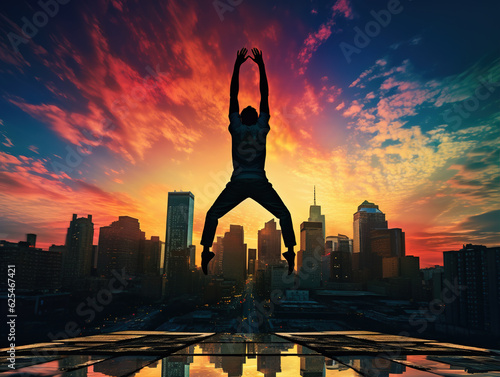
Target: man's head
249,116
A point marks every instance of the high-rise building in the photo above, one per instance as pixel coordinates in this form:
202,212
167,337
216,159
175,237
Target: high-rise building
268,365
312,247
119,246
388,242
367,218
215,267
315,214
178,277
175,366
409,267
390,267
311,240
31,239
150,256
151,280
179,232
37,269
234,263
337,261
269,244
339,242
192,257
472,275
77,256
310,364
252,259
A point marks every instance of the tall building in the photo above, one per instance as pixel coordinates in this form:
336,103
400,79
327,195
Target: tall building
312,247
409,267
179,232
31,239
390,267
339,242
178,276
311,365
474,303
311,240
234,264
192,257
36,270
252,259
175,366
119,246
388,242
77,256
149,262
269,244
337,261
315,214
368,217
215,267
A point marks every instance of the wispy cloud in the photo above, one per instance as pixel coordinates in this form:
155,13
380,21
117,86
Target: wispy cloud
315,39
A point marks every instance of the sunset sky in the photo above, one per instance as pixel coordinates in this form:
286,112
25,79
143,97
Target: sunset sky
106,106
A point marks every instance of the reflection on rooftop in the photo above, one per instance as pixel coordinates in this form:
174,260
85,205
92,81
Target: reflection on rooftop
322,354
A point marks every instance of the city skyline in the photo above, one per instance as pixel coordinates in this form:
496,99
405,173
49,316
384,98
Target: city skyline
396,106
222,231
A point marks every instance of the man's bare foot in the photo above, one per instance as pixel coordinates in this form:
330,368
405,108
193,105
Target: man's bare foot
290,258
206,256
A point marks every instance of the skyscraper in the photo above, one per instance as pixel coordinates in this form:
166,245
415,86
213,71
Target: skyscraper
388,242
315,214
312,247
119,246
192,257
368,217
37,269
215,267
269,244
234,264
472,277
338,258
77,255
179,232
252,257
149,263
31,239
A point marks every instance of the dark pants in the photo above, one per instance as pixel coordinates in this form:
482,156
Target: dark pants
260,190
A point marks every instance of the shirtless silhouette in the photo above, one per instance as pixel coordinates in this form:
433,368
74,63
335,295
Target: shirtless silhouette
248,133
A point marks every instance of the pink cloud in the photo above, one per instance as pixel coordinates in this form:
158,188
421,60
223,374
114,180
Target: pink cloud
8,159
8,143
311,44
317,38
343,7
353,110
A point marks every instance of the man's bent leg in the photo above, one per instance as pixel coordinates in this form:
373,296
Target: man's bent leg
229,198
267,197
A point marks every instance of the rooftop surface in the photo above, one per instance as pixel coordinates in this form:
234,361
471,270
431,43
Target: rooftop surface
310,354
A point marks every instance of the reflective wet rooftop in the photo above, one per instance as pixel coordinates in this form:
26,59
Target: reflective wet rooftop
333,353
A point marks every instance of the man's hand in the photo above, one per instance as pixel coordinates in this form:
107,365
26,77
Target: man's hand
241,56
257,56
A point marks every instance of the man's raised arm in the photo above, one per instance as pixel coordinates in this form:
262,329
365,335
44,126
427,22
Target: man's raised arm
241,57
264,86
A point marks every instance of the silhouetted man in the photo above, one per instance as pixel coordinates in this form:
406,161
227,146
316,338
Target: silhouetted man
248,133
